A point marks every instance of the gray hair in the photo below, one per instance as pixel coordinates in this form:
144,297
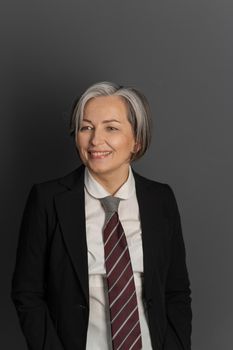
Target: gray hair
139,114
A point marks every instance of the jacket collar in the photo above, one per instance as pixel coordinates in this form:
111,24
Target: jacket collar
76,178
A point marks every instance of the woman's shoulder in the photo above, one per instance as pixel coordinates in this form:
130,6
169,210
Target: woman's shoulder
60,183
158,185
157,188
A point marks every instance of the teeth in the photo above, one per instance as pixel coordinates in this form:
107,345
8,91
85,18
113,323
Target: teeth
100,153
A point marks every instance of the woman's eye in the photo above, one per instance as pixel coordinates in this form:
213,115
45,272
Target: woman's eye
111,128
88,127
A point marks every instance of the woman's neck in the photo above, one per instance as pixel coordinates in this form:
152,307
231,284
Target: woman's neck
111,182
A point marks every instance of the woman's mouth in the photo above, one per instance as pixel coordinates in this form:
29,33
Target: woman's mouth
99,155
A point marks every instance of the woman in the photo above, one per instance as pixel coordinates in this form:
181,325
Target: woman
101,258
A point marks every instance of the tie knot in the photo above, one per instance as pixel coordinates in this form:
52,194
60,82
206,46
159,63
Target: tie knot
110,204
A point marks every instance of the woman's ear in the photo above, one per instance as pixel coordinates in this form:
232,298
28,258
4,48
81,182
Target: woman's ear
137,147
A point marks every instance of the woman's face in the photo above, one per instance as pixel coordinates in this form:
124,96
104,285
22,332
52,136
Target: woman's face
105,140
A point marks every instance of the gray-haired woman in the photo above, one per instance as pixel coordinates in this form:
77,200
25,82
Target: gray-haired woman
101,259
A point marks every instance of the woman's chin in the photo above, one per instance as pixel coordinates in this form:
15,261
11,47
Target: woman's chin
97,168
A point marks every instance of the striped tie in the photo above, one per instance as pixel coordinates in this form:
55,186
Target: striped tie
124,317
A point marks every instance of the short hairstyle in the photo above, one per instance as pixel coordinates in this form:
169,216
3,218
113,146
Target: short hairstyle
139,114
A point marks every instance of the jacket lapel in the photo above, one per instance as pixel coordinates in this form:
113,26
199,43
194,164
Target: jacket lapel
150,224
70,206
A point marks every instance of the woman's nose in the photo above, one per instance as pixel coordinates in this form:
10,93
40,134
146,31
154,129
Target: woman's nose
96,137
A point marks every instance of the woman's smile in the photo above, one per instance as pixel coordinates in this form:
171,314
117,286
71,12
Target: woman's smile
99,155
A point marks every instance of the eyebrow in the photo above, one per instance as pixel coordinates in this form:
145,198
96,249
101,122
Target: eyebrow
104,122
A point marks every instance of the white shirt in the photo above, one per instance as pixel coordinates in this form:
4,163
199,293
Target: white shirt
99,332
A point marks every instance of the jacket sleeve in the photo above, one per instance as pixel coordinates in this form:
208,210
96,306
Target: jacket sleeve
28,283
178,292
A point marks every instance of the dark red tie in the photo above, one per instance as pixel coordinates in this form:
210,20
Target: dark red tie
124,317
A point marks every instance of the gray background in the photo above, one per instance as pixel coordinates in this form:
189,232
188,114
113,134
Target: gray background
179,53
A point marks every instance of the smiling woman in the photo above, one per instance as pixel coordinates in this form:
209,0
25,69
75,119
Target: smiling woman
101,258
106,140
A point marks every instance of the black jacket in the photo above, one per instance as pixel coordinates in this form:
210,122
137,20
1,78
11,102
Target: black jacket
50,280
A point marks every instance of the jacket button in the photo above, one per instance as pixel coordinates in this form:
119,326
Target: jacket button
82,306
149,303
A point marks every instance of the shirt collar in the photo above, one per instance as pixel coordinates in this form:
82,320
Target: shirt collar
96,190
